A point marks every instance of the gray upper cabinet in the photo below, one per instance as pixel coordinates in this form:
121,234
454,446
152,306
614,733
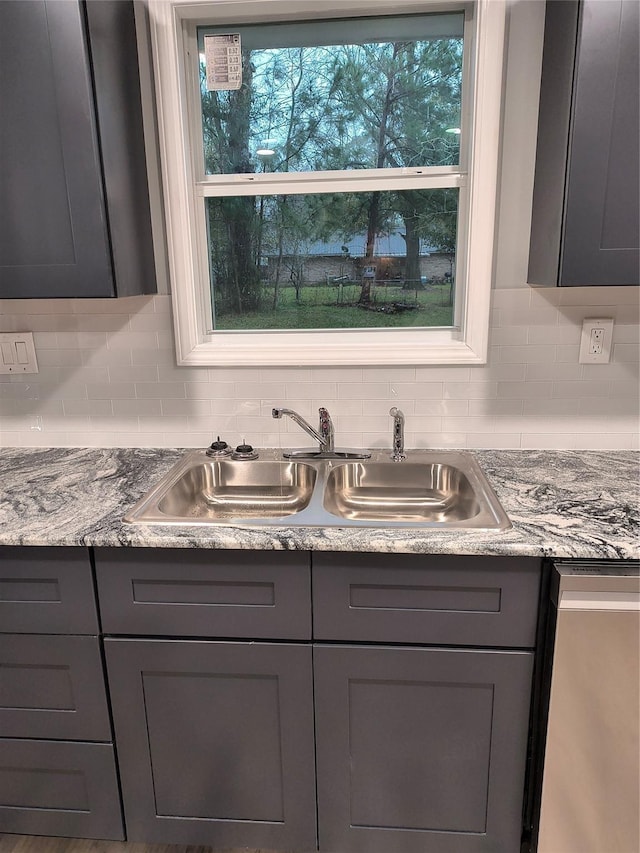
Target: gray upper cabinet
74,203
585,224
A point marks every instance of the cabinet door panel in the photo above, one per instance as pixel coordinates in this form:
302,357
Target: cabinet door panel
215,742
46,591
59,788
602,221
205,593
52,224
402,598
52,687
421,750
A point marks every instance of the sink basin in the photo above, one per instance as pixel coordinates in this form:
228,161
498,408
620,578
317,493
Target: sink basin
204,490
377,491
430,489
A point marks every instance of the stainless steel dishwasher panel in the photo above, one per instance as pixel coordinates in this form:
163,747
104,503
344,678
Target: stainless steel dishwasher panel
591,777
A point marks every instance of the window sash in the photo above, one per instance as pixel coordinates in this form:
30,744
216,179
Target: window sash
173,25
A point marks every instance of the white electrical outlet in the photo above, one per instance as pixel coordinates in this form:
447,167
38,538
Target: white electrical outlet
17,353
595,342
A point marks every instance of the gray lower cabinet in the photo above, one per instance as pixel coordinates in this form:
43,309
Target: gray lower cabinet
57,764
421,750
410,697
215,742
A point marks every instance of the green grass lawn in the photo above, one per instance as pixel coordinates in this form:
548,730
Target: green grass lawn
318,308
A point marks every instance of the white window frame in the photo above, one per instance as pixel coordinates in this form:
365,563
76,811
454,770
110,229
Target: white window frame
185,187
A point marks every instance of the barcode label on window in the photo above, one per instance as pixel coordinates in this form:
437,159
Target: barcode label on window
223,61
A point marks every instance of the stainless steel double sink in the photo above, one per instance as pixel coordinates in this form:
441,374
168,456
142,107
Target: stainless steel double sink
429,489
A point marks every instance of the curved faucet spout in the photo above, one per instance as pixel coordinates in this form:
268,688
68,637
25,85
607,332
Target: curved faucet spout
298,419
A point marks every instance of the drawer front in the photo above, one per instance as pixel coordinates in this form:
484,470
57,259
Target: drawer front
204,593
46,591
59,788
406,598
52,687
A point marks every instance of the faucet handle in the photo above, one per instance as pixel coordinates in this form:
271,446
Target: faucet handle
398,434
326,428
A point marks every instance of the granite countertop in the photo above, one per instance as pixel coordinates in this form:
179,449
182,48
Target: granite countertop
561,503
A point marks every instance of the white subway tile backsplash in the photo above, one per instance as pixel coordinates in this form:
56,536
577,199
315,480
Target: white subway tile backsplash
97,408
499,372
524,390
108,376
310,391
128,373
471,390
110,391
616,371
504,441
133,340
580,389
136,408
509,335
527,354
567,353
195,408
442,374
437,407
626,353
421,390
489,407
618,295
540,372
363,391
160,390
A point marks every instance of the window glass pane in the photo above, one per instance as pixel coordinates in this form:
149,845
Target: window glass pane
349,94
333,261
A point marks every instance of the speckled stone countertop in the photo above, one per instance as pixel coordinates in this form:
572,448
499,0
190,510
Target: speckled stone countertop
561,503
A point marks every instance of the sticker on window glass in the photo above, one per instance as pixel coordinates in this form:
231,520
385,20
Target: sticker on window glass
223,60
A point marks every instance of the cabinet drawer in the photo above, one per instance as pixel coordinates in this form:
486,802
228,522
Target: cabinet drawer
46,591
52,687
59,788
205,593
406,598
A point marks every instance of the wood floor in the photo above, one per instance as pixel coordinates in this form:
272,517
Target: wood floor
41,844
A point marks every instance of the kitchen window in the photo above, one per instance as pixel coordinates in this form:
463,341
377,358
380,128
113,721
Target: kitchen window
329,178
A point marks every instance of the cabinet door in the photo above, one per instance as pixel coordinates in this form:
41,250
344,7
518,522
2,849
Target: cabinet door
53,238
602,224
585,223
421,750
215,742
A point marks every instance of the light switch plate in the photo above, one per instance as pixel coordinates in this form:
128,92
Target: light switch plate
595,341
17,353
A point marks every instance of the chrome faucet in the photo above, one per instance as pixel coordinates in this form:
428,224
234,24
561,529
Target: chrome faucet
398,435
324,435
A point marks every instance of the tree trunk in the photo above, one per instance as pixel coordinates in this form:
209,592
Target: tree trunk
373,218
